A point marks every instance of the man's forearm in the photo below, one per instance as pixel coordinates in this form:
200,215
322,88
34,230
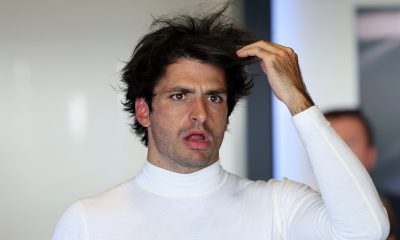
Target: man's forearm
348,192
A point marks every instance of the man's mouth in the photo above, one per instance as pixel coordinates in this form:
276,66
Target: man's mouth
197,139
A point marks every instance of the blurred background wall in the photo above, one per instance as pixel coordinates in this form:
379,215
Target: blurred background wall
63,134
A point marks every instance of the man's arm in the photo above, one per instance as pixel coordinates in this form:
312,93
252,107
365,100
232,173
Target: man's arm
349,206
72,225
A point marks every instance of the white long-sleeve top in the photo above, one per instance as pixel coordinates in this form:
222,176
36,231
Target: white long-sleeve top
213,204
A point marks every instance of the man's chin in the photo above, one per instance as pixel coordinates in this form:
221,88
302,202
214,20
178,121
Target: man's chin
198,162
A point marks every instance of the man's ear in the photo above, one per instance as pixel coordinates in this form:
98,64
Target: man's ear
371,158
142,112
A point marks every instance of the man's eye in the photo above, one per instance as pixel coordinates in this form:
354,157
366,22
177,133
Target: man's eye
215,99
178,97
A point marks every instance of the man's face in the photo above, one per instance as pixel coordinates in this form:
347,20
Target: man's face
352,131
189,117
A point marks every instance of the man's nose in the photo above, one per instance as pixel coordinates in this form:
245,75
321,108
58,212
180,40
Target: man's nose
199,110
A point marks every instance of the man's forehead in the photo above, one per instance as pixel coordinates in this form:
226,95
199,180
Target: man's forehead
348,123
189,62
191,73
346,118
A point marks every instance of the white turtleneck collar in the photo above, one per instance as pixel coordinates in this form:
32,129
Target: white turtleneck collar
171,184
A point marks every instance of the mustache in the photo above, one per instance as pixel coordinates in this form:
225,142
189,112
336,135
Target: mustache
195,126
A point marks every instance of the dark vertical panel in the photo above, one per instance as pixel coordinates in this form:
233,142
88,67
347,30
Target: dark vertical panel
259,140
379,58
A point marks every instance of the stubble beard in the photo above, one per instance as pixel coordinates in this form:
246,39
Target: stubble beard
179,155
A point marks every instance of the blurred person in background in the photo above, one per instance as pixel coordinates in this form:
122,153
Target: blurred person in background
355,129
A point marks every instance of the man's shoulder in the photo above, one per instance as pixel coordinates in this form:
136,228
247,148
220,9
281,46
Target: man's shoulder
282,185
114,195
248,185
98,210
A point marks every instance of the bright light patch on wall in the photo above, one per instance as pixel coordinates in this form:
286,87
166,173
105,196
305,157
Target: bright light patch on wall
285,145
289,158
283,137
22,74
77,115
22,95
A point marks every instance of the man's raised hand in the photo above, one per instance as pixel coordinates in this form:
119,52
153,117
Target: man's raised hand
281,66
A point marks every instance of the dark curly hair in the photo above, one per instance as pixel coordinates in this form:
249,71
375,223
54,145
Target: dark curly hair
211,39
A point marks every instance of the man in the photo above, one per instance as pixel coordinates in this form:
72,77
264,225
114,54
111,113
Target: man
182,84
354,128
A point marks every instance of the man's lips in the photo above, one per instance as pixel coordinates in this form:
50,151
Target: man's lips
197,139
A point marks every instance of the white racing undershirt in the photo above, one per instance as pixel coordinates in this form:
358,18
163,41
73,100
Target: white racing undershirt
213,204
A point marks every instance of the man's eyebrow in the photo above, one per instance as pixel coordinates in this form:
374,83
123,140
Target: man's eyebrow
180,90
192,90
216,91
